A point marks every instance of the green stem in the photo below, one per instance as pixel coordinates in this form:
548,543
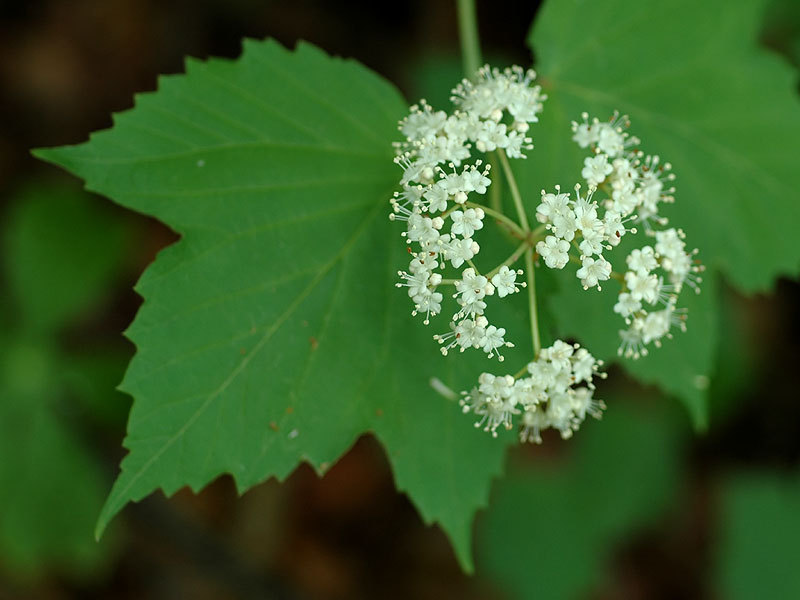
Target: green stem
521,372
494,190
537,344
500,217
512,184
510,260
468,33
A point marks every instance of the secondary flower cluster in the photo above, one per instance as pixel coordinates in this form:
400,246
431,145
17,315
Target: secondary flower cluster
493,113
558,393
634,185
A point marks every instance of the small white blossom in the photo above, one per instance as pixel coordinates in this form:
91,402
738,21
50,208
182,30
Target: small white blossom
551,205
592,271
643,286
504,281
627,305
460,251
551,397
554,252
642,260
596,169
466,223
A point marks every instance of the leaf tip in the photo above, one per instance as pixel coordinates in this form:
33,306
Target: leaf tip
465,561
44,154
106,514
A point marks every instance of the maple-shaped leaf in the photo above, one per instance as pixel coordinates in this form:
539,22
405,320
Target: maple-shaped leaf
272,332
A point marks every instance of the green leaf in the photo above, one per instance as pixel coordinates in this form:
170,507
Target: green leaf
759,540
551,528
723,111
680,367
62,252
272,333
50,487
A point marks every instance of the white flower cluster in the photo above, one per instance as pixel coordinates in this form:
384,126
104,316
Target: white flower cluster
493,113
550,396
635,185
647,302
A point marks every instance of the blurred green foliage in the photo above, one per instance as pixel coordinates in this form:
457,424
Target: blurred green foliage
62,255
759,536
552,526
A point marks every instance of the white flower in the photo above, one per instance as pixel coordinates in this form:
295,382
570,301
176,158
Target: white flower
596,169
593,239
610,140
642,260
565,225
466,223
551,397
504,281
669,243
627,305
559,354
584,135
593,271
655,325
516,143
422,122
493,340
554,252
632,345
460,251
476,181
473,287
491,136
534,420
499,387
583,403
584,365
614,227
437,196
429,303
642,285
423,262
551,205
422,229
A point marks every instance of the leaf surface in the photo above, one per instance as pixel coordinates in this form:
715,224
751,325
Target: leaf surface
721,109
759,511
272,333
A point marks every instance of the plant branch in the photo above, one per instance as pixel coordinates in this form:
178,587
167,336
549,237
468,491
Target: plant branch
510,260
510,223
512,184
534,313
468,33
